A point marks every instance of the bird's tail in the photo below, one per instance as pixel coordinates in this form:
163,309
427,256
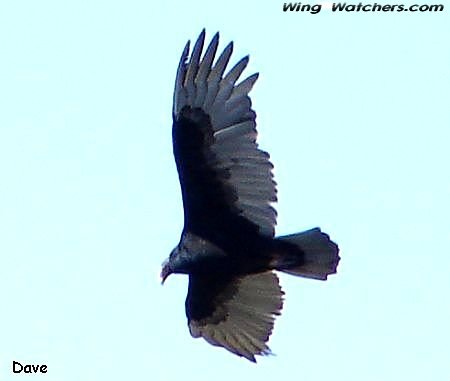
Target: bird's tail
310,254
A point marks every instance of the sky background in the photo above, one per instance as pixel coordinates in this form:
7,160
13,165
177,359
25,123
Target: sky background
354,109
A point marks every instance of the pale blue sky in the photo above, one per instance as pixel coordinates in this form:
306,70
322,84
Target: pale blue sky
354,109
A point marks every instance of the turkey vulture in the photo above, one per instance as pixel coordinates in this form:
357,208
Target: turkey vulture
228,246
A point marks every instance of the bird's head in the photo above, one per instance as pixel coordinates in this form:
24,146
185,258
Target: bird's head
178,262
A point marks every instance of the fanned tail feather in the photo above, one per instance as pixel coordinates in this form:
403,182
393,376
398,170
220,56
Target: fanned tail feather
317,258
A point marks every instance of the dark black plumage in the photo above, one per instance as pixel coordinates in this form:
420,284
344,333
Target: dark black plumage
227,245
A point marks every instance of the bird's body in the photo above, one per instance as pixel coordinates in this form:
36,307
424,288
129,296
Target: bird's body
227,245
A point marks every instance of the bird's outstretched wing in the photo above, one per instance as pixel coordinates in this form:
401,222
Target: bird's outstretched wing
236,314
226,180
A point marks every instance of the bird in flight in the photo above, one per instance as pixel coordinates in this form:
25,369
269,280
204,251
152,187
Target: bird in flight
228,245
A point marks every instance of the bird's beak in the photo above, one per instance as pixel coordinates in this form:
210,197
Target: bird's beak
165,272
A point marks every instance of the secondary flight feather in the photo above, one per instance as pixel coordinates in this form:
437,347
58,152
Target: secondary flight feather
228,246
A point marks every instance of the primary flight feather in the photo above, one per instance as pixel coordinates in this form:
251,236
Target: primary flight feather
227,245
